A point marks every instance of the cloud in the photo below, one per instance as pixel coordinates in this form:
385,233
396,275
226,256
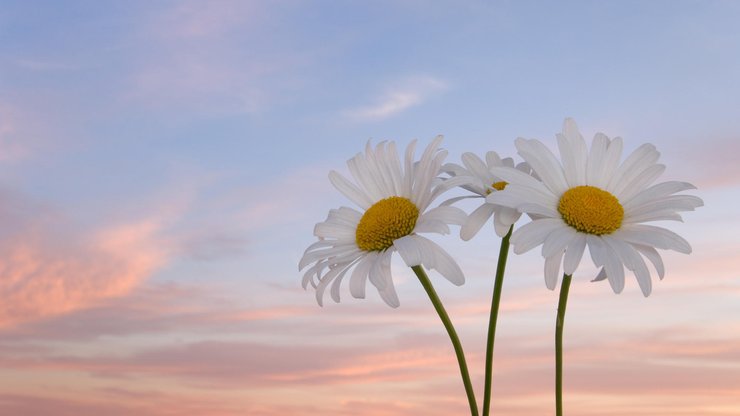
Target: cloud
212,245
50,268
208,58
408,94
196,19
416,374
114,402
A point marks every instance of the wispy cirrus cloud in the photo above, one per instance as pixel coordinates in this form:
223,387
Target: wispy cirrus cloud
194,19
50,268
409,93
210,58
416,374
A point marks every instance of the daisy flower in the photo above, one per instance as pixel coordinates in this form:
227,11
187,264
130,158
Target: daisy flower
590,199
484,183
394,205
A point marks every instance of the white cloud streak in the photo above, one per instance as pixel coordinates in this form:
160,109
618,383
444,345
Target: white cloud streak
396,100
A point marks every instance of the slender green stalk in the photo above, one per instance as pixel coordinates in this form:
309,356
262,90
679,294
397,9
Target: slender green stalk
424,279
503,253
564,288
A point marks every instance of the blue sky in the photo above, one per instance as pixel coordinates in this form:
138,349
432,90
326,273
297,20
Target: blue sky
162,165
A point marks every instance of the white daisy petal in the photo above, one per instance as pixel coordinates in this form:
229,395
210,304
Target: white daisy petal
457,199
331,252
595,163
538,209
641,273
656,192
573,152
651,235
533,234
334,292
493,159
632,260
574,253
517,196
476,220
394,168
520,179
325,281
451,201
349,190
508,216
363,174
557,241
308,276
388,292
614,269
600,276
358,279
408,179
611,161
453,169
377,160
476,166
508,162
640,159
673,202
544,163
435,258
552,270
333,230
654,257
449,215
432,226
409,250
639,182
664,215
597,249
425,172
501,226
449,184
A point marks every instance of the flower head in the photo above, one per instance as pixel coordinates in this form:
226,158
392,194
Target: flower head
590,199
483,183
394,205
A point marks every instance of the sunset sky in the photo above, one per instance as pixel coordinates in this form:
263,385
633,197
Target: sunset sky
163,163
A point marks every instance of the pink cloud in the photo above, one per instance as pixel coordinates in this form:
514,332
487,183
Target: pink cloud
411,381
38,281
339,369
50,268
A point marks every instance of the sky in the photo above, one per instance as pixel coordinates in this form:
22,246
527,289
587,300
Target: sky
163,163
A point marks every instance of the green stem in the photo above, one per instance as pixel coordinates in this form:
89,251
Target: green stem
564,288
424,279
503,253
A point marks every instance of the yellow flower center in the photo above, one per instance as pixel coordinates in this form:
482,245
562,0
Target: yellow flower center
591,210
499,186
384,222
